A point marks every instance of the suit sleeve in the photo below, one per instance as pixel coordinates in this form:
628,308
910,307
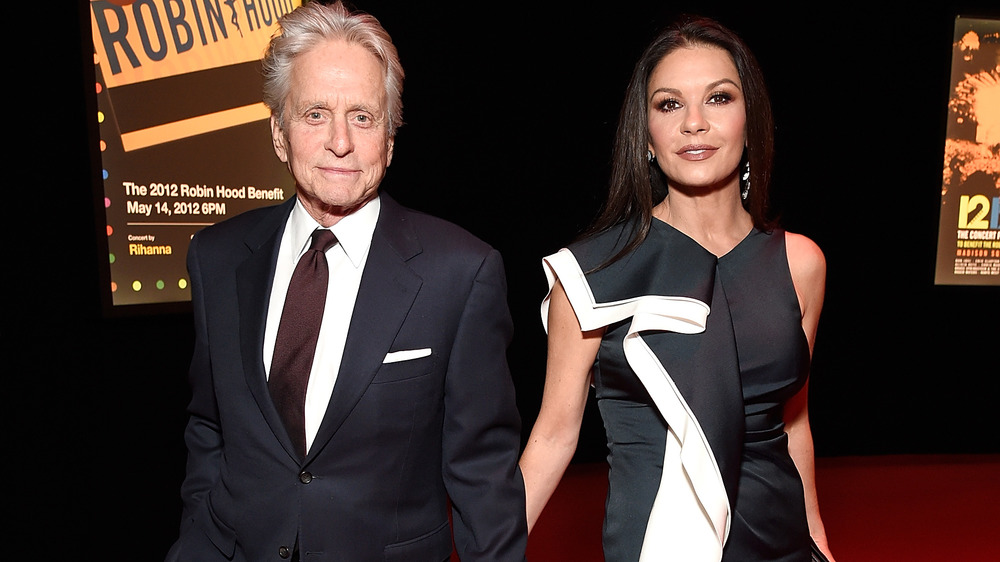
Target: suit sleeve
202,435
482,427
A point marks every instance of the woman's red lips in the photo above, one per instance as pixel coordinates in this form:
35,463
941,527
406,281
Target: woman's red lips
697,151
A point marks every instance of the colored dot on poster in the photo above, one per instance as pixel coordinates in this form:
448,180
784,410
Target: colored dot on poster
114,287
104,145
111,258
136,286
104,173
107,202
182,283
110,230
100,117
99,87
160,284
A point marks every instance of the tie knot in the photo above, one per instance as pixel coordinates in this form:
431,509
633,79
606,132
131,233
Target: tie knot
322,239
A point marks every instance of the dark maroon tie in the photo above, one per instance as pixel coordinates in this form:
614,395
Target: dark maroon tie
295,344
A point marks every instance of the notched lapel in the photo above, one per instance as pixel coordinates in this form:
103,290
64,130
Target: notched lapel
388,288
253,284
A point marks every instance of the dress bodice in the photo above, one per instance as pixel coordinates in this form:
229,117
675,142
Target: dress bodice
734,375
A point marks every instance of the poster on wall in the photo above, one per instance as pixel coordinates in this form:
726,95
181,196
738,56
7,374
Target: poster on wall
184,137
969,229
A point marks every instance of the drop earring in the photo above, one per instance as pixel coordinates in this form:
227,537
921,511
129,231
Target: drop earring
746,181
649,156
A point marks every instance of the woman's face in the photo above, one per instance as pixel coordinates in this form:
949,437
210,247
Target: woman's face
697,117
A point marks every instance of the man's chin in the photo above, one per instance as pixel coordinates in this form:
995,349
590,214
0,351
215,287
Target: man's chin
329,210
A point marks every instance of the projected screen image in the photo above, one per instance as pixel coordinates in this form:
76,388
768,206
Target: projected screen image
185,141
969,230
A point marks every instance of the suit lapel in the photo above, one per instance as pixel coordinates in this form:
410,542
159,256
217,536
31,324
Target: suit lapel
388,288
253,283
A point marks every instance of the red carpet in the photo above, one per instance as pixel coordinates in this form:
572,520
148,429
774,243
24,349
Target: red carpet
941,508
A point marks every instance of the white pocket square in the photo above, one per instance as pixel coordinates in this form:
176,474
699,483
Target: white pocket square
406,355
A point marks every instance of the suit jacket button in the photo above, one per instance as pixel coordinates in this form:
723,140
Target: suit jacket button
284,552
305,477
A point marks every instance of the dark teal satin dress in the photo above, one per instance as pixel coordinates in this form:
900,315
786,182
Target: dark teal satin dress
735,376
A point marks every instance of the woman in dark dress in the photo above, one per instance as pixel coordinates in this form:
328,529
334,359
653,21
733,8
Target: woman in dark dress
693,317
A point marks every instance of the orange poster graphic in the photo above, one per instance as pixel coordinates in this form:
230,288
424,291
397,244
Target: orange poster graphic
184,140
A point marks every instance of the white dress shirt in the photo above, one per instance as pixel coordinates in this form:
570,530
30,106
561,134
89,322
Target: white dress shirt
347,260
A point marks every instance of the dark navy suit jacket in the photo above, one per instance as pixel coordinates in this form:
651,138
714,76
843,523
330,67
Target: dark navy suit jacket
400,441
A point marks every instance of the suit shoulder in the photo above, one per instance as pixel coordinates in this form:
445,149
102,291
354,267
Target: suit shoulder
436,233
240,225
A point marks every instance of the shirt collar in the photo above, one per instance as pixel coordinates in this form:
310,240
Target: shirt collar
354,232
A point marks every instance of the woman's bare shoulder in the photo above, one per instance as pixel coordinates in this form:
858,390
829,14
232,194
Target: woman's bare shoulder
805,258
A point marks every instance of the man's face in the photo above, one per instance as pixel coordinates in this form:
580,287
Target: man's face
335,137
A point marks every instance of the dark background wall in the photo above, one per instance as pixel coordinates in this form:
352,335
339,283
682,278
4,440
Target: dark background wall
510,110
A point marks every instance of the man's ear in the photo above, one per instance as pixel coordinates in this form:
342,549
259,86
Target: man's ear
278,139
390,144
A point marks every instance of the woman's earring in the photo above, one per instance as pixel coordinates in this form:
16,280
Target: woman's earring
649,156
746,181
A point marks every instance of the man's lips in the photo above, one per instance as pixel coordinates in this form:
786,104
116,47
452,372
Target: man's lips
338,170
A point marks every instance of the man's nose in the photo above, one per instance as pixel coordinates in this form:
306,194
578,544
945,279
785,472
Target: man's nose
340,141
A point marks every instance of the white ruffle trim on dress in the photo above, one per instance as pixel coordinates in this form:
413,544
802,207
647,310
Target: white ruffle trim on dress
691,515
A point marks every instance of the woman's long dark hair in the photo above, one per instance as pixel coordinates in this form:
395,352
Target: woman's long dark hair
632,194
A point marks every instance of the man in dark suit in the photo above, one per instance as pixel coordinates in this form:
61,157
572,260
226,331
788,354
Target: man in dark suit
407,406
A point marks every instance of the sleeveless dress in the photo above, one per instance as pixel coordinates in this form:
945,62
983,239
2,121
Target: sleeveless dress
699,356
